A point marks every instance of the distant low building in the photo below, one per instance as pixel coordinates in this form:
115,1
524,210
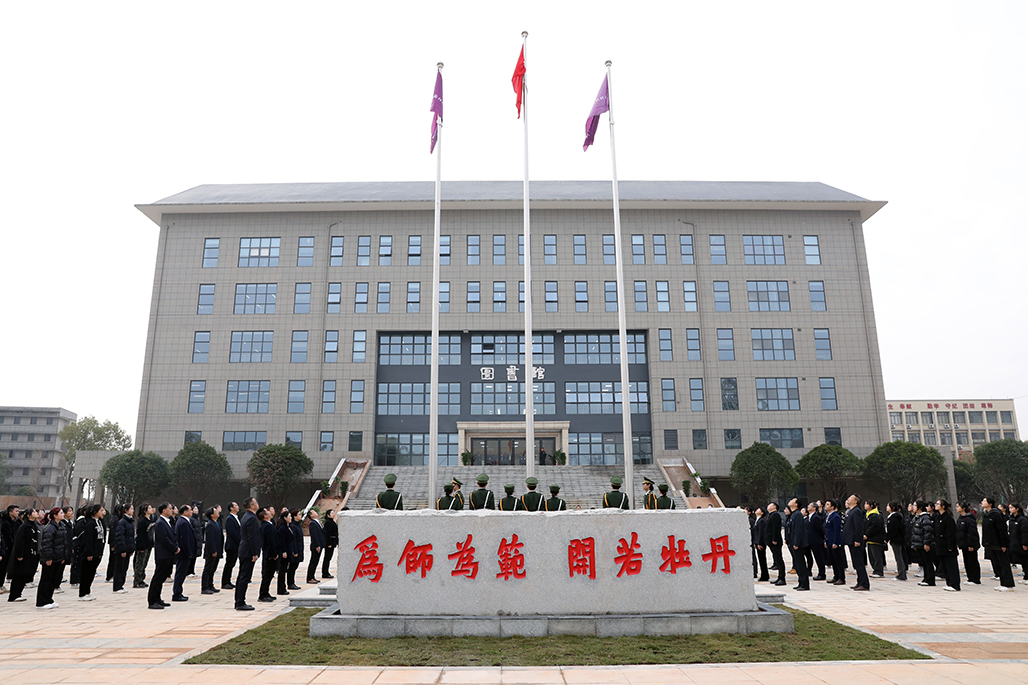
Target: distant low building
29,442
960,425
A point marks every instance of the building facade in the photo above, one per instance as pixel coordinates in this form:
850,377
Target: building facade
30,445
960,425
302,313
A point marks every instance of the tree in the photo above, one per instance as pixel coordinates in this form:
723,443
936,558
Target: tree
911,470
829,466
90,434
199,471
968,487
134,477
5,472
274,470
1001,468
761,472
25,491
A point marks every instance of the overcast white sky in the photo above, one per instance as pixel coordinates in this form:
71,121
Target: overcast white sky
108,105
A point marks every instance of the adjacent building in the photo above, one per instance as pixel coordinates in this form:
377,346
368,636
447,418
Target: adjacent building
960,425
30,445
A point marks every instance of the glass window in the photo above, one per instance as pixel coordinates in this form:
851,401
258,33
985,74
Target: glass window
413,297
782,438
197,395
385,250
259,251
722,297
638,250
729,394
298,351
581,296
255,298
696,394
667,392
414,250
579,247
499,296
444,250
549,249
828,400
699,439
356,397
360,346
974,417
817,296
811,249
692,341
521,296
201,346
977,438
498,399
663,297
944,438
670,439
328,397
404,449
1006,416
335,255
499,250
959,417
768,296
717,250
1009,435
414,399
356,441
664,337
193,436
297,390
603,397
763,249
335,295
364,250
660,249
770,344
823,344
302,299
551,296
251,346
608,249
474,296
205,300
689,293
641,304
725,345
610,295
247,397
521,250
295,439
360,298
778,394
833,436
305,251
943,417
930,438
210,252
327,441
444,297
602,348
331,347
991,417
926,418
383,297
416,350
962,438
733,438
685,244
243,441
474,250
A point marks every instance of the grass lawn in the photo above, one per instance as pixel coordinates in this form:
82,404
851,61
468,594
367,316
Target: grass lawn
284,641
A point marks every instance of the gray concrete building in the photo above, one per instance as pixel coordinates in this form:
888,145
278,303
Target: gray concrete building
30,445
302,313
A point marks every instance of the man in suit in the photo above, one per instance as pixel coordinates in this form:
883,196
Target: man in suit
317,534
213,548
389,498
615,499
816,540
186,553
833,542
773,540
853,537
799,543
231,523
249,551
165,548
532,500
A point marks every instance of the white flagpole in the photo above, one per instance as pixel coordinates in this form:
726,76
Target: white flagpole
530,452
433,413
626,406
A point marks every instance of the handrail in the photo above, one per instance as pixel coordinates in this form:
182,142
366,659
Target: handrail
317,493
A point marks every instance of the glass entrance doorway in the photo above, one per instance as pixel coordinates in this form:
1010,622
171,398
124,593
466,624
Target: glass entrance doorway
510,451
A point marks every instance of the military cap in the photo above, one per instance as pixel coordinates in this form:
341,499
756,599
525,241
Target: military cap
509,487
456,481
662,487
616,480
554,488
448,488
532,481
647,480
482,478
390,479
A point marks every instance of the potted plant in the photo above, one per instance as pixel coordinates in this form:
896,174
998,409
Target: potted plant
686,487
467,457
559,458
705,486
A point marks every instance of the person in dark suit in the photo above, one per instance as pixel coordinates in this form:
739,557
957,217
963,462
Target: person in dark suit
165,547
296,553
123,531
249,551
186,553
273,555
946,545
798,542
773,541
91,551
144,544
816,540
213,548
285,547
895,537
231,526
853,538
996,541
969,542
25,554
331,542
758,541
833,542
317,534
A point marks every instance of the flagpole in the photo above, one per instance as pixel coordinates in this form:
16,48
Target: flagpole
530,453
433,414
626,405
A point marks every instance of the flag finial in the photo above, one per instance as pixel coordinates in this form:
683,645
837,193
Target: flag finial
607,63
439,65
524,34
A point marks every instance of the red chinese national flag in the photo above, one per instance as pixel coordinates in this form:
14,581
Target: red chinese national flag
519,79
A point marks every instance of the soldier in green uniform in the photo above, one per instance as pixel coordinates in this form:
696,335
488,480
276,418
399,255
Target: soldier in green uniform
615,499
448,502
555,503
510,503
482,498
532,500
389,498
456,491
664,502
649,497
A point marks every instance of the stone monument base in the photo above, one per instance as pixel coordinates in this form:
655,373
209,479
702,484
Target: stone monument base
766,619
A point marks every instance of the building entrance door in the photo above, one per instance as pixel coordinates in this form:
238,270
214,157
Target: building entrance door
510,451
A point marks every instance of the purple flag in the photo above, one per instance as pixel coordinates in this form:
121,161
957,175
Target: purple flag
601,105
436,109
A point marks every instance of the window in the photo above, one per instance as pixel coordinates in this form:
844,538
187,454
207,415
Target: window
247,397
733,438
197,395
895,417
201,346
302,299
771,344
549,249
604,397
356,397
729,394
251,346
328,397
763,249
926,418
258,251
356,441
474,296
692,343
833,436
521,296
667,392
335,297
298,351
817,296
360,298
444,297
205,300
305,252
603,348
696,394
499,250
1009,435
489,350
335,255
364,250
552,304
610,295
828,400
699,439
638,250
1006,417
327,441
385,250
331,347
717,250
685,245
444,250
641,305
664,343
811,249
768,296
210,252
405,449
823,344
414,399
725,345
959,417
722,297
413,297
608,250
782,438
974,417
670,439
474,249
255,298
931,439
991,417
660,249
581,296
944,438
508,399
499,296
416,350
193,436
383,298
663,297
578,242
243,441
778,394
295,439
977,437
689,294
414,250
360,346
297,391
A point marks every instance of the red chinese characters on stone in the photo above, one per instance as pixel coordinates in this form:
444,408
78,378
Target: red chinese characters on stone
582,558
465,556
719,550
417,557
629,557
674,556
368,565
511,560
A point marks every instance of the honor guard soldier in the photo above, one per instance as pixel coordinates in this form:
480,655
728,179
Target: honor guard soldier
389,498
448,502
649,496
555,503
510,502
615,499
456,491
532,500
482,498
663,502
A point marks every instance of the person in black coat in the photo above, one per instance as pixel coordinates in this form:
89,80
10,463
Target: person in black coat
197,523
249,551
317,535
798,542
853,538
968,542
186,553
874,538
946,545
773,540
895,537
6,540
230,524
331,542
1019,538
996,541
24,555
124,533
816,539
286,548
65,529
296,555
213,548
274,556
91,549
54,553
923,540
165,547
144,544
758,541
